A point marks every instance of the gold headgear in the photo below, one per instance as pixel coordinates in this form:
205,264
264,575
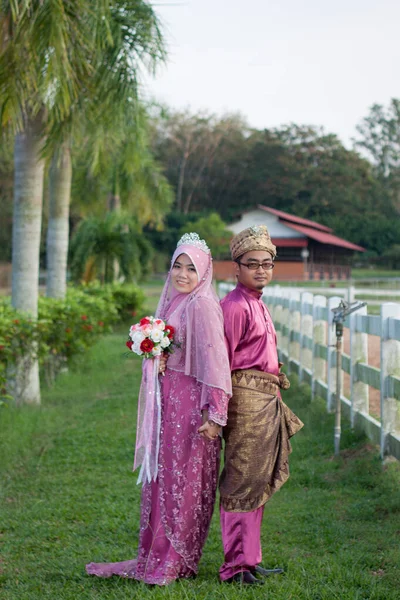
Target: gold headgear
253,238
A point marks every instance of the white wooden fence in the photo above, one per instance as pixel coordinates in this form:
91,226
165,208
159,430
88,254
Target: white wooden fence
306,340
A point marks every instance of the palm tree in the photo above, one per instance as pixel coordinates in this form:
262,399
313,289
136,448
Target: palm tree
58,224
48,53
43,57
99,118
99,243
116,169
53,57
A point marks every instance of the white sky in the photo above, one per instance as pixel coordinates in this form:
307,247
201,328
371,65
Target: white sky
320,62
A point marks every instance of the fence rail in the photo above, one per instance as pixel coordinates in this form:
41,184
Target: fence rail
306,344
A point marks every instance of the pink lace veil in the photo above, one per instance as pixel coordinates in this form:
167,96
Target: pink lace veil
202,353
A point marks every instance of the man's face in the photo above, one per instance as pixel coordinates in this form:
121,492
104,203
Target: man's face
254,279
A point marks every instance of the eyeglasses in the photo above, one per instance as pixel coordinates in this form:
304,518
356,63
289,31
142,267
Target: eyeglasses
254,266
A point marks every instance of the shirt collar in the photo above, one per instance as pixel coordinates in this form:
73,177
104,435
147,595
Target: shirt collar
248,292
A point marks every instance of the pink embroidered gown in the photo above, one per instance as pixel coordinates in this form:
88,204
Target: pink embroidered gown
176,509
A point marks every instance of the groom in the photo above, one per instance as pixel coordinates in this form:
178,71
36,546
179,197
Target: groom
259,424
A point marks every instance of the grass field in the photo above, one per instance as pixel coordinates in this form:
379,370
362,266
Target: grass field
68,497
368,273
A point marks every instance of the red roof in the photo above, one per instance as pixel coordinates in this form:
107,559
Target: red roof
290,242
325,238
287,217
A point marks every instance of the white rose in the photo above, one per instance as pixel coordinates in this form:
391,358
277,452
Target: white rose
156,335
137,337
136,349
156,351
165,342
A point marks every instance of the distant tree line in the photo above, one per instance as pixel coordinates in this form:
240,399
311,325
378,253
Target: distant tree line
223,165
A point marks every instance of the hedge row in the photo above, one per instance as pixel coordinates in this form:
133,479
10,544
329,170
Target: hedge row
65,328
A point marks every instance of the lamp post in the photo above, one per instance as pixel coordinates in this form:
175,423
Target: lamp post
304,255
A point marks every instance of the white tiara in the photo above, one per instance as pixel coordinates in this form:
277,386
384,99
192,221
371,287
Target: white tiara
193,239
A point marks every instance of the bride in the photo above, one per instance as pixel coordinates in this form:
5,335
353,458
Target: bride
178,445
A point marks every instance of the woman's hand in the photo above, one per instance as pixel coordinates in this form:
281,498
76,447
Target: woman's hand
209,429
163,363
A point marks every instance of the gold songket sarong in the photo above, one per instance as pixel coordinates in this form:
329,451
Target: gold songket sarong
256,438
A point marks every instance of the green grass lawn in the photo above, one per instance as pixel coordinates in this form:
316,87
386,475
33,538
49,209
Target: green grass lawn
68,497
376,272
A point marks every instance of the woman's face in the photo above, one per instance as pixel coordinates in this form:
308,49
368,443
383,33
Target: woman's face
183,275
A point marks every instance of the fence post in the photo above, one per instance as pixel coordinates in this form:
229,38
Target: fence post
390,365
359,392
319,337
351,293
306,329
275,292
278,319
333,302
285,323
294,316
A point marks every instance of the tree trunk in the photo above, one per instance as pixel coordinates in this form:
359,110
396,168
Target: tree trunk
27,219
114,203
114,198
181,178
58,227
112,271
208,158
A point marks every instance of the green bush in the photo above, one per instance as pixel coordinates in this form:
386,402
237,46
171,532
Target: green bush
65,328
17,333
127,299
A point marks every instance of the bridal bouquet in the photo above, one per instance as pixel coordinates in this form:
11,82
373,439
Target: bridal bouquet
150,337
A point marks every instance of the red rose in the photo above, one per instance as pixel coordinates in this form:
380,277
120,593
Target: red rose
169,330
129,343
83,317
145,321
100,323
147,345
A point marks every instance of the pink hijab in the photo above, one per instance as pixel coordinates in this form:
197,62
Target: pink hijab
202,352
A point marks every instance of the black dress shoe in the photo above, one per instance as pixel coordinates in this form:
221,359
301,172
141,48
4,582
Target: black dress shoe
245,578
266,572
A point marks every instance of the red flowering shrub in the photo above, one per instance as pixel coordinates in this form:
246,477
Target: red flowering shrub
65,328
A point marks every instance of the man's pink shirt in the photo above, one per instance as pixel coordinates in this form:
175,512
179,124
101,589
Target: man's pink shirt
250,334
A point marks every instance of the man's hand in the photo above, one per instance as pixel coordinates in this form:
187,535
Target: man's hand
209,429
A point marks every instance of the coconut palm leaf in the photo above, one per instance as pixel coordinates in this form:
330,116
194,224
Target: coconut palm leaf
104,242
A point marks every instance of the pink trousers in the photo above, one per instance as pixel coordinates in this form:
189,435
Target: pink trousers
241,538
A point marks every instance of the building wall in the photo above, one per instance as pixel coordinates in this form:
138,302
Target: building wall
224,271
5,275
288,271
